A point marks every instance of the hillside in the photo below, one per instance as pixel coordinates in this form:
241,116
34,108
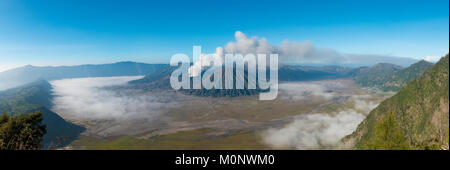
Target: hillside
36,96
23,75
417,117
388,77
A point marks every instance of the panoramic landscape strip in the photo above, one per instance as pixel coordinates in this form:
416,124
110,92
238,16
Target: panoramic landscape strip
225,84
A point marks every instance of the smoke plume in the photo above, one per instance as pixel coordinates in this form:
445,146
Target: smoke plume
295,52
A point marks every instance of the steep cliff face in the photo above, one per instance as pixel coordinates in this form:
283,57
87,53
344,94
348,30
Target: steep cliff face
417,117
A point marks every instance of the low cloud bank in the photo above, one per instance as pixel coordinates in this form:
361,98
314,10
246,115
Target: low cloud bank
305,90
363,103
89,98
301,91
319,130
314,131
433,59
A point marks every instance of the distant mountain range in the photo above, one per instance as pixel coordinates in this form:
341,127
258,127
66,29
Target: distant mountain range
420,105
36,96
308,73
384,76
23,75
417,117
388,77
160,80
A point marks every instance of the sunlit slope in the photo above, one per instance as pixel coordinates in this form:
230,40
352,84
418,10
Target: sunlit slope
417,117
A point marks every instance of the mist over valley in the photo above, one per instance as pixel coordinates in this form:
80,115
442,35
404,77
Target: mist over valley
306,115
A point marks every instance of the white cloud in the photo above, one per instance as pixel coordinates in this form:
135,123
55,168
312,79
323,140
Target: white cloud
314,131
319,130
88,98
301,91
245,45
432,58
255,45
363,104
296,52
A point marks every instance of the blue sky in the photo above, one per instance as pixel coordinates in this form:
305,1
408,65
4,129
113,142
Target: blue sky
68,32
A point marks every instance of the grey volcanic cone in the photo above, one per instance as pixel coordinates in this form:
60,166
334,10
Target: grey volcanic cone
234,92
161,81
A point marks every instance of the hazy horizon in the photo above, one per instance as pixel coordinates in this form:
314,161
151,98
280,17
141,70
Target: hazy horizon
59,33
124,61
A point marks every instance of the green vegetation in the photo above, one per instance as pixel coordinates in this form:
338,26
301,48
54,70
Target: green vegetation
388,77
417,117
34,97
21,132
388,136
25,98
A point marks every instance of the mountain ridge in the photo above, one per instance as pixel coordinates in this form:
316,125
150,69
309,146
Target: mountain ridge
27,74
417,117
388,77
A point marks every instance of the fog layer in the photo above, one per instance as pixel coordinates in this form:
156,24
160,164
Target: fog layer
90,98
320,130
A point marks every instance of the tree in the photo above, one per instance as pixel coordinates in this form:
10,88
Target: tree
21,132
388,136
